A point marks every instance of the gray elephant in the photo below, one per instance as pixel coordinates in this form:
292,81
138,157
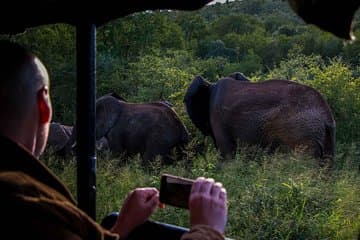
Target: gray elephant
150,129
58,139
271,114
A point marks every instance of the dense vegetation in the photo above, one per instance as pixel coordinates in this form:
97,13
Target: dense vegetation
154,55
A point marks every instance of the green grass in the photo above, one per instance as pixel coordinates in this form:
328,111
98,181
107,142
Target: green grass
283,196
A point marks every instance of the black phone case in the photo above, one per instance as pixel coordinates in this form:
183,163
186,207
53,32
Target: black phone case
175,191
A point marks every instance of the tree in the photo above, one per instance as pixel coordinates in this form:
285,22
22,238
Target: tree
240,24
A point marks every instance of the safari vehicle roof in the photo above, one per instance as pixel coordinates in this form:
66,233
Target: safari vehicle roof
18,15
334,16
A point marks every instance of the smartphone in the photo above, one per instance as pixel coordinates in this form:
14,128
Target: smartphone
175,190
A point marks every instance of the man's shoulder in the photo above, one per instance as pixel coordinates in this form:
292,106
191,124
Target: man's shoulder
40,212
19,184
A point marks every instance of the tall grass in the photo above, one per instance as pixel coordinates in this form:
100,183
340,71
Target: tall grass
281,196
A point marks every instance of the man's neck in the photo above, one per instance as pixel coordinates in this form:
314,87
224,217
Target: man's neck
19,134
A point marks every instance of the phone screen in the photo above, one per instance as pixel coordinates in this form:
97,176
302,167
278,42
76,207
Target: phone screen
175,190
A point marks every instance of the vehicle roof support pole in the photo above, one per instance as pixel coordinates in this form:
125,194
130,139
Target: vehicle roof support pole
85,117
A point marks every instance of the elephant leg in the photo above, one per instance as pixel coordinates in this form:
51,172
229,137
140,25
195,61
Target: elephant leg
155,149
272,147
165,156
225,144
181,152
149,156
319,153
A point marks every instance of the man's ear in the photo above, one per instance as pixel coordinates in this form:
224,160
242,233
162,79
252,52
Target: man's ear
44,104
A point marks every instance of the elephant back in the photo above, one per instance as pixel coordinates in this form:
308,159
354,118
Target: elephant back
238,76
169,117
117,96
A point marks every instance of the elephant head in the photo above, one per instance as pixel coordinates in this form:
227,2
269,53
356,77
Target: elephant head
196,102
106,115
107,112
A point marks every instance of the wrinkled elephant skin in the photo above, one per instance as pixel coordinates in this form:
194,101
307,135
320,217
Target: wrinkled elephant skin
150,129
58,139
271,113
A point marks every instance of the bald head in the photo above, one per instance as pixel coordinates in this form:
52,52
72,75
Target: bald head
21,75
25,107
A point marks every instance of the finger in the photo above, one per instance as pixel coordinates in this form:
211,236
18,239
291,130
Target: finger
223,193
149,190
153,203
152,198
196,185
215,190
206,186
128,196
148,193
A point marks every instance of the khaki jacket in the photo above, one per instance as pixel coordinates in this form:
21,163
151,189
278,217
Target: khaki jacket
34,204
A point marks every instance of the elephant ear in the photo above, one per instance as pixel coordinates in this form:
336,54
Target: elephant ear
197,99
108,109
334,16
117,96
238,76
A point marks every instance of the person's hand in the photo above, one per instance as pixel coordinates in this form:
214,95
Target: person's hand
137,208
207,204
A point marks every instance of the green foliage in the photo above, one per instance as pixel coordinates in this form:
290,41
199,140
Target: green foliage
211,69
240,24
250,63
351,51
154,55
283,196
194,27
215,49
139,33
158,77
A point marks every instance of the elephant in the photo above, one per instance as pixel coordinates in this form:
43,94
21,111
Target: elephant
58,139
149,129
271,114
